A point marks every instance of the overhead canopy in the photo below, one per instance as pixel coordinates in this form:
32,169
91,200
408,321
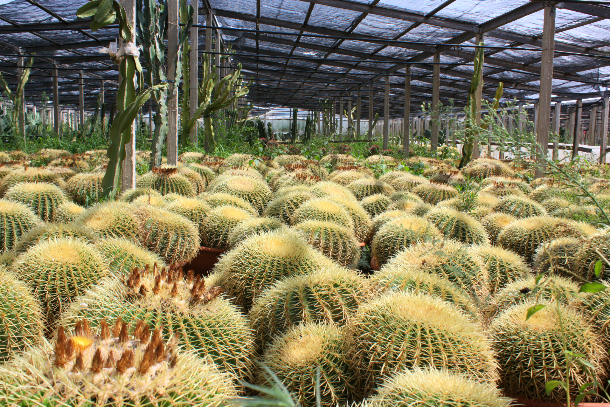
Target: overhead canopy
298,52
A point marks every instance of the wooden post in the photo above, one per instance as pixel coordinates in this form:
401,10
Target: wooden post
604,131
81,101
21,107
592,123
217,51
350,118
194,72
556,127
520,118
577,129
436,88
358,112
172,92
479,98
56,119
371,130
386,113
102,102
407,113
535,117
333,127
128,172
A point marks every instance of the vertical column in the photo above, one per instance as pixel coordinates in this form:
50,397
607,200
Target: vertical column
333,127
128,173
577,129
150,119
604,131
386,113
520,118
102,102
479,98
172,99
371,130
358,112
592,123
546,80
217,51
194,72
535,117
21,107
81,101
350,118
208,62
436,88
340,115
407,113
556,127
56,119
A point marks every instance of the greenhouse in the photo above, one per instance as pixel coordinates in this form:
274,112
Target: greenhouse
304,203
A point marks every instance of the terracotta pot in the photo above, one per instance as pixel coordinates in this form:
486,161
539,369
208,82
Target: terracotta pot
374,264
205,261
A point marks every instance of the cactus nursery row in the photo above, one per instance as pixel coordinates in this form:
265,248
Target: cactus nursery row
338,283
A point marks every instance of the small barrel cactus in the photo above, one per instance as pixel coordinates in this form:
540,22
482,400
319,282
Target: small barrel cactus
16,219
111,219
360,218
503,266
400,233
29,175
369,186
407,182
194,209
531,352
51,231
67,212
558,256
85,188
494,223
218,199
458,226
43,198
376,204
323,209
438,388
251,227
519,207
588,255
335,241
167,180
284,205
254,191
108,366
297,356
404,330
435,193
219,224
327,189
124,255
486,167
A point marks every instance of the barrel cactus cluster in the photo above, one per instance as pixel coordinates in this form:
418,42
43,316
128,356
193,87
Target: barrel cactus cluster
356,282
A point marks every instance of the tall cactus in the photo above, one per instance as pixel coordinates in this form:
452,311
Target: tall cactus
17,98
186,19
216,94
293,126
350,122
129,99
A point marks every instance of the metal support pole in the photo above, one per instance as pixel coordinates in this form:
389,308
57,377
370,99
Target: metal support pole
102,102
56,118
128,172
172,92
341,115
479,98
436,88
577,129
386,113
407,113
556,127
604,131
81,101
592,123
21,107
371,130
358,112
350,118
194,73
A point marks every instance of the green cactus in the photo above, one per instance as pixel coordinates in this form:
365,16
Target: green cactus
381,219
132,194
153,199
435,193
51,231
524,236
85,189
503,267
171,236
344,178
436,388
531,352
219,224
251,227
335,241
360,218
167,180
458,226
544,192
328,189
393,332
297,356
410,207
486,167
196,180
218,199
187,306
502,190
29,175
59,270
16,219
558,257
323,209
253,191
284,205
519,207
43,198
526,290
21,322
111,219
260,261
588,255
362,188
376,204
194,209
138,369
411,279
207,174
124,255
328,295
449,259
494,223
398,234
407,182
